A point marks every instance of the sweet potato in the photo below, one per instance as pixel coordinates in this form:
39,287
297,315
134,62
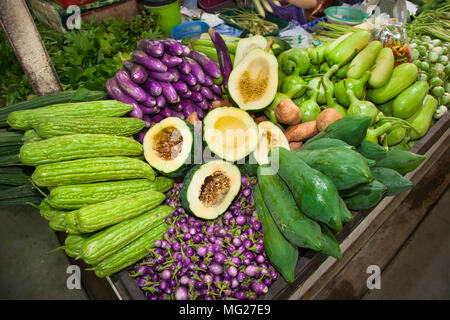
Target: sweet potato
327,117
294,145
287,112
221,103
302,131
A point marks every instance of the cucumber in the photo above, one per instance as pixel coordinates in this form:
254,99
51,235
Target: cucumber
91,170
393,180
132,253
9,150
367,197
100,215
25,119
282,254
77,196
314,193
78,146
58,126
51,99
293,224
106,242
10,160
20,195
9,138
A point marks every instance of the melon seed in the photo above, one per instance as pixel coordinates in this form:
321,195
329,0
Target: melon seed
168,143
252,89
214,189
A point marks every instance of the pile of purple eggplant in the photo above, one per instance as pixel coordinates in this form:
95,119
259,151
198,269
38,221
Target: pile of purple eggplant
166,79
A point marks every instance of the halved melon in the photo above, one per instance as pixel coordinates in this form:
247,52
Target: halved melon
246,45
253,82
230,133
270,136
210,188
168,146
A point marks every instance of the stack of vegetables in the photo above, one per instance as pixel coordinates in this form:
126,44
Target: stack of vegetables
14,176
97,188
165,78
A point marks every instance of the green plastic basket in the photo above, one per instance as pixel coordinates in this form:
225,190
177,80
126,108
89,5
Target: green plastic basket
345,15
225,15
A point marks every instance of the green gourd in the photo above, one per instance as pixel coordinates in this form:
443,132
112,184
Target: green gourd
364,59
422,119
362,108
356,85
309,108
410,100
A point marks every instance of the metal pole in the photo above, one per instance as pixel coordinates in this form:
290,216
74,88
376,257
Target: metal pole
18,25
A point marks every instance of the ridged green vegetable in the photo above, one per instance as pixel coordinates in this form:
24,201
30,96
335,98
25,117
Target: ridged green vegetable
130,254
106,242
393,180
59,126
91,170
345,168
282,254
74,243
293,224
78,146
315,194
97,216
25,119
58,221
401,161
77,196
367,197
351,130
31,136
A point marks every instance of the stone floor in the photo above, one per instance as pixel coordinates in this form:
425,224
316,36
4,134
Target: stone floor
420,271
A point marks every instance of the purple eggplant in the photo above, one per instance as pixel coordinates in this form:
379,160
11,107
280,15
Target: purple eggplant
166,112
157,118
176,74
207,93
129,87
189,79
136,112
142,135
188,107
196,70
153,87
180,87
152,47
148,120
114,92
171,61
151,63
137,72
208,65
223,56
150,110
216,89
216,98
186,51
172,46
160,101
202,105
196,97
150,102
162,76
176,107
196,88
184,67
200,113
186,95
208,81
169,92
178,114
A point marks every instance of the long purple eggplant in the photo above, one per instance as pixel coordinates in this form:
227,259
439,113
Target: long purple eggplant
137,72
172,46
150,102
202,104
162,76
200,113
129,87
151,63
178,107
196,97
195,88
142,134
208,81
114,92
178,114
152,47
166,112
153,87
188,107
136,112
216,89
208,65
171,61
207,93
184,67
186,95
186,51
223,55
160,101
150,110
180,87
176,74
157,118
196,70
169,92
148,120
189,79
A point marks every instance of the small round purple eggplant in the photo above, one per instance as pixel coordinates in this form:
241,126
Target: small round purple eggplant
153,87
176,107
178,115
150,110
216,89
156,119
129,87
203,105
188,107
152,47
166,112
207,93
200,113
148,120
196,88
151,63
150,102
208,81
180,87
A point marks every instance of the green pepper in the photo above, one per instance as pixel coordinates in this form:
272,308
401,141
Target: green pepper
294,60
309,108
356,85
421,120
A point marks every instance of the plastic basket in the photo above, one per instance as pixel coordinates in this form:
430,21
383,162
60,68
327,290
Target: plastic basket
345,15
191,30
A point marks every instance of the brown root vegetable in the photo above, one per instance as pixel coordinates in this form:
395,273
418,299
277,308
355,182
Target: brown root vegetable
221,103
326,117
294,145
287,112
261,119
302,131
195,121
